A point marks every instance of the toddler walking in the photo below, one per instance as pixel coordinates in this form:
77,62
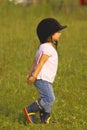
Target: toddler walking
43,70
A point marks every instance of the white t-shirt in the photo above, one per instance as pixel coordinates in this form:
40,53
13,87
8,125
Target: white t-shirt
49,69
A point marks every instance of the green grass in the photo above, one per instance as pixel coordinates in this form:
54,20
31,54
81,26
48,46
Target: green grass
18,44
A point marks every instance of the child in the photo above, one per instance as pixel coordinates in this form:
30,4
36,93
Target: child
43,70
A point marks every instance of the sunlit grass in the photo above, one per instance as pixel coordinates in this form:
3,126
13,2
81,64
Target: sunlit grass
18,44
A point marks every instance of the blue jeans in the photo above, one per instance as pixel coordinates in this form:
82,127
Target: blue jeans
47,96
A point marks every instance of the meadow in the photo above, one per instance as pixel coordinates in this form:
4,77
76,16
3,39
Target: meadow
18,45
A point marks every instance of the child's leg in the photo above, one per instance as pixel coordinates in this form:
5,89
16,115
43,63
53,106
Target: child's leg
31,110
47,99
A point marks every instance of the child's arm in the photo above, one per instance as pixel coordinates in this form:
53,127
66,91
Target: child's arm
32,68
42,61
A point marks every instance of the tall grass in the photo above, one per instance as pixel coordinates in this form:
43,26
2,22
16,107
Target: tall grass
18,44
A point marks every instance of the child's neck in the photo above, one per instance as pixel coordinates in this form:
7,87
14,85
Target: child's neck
53,44
50,43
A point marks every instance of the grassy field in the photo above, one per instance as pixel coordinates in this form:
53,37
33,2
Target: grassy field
18,44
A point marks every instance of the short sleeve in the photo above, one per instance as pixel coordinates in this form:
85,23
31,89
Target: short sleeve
46,49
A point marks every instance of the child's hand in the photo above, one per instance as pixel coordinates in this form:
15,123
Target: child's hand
31,79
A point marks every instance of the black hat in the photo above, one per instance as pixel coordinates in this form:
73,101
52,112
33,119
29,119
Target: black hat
47,27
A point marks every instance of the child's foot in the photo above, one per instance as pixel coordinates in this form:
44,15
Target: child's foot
45,117
41,112
29,115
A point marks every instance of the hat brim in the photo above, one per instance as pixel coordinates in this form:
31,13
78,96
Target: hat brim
62,27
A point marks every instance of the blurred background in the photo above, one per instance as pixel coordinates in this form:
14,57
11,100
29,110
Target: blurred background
44,1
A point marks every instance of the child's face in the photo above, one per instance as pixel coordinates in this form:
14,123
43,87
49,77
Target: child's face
56,36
